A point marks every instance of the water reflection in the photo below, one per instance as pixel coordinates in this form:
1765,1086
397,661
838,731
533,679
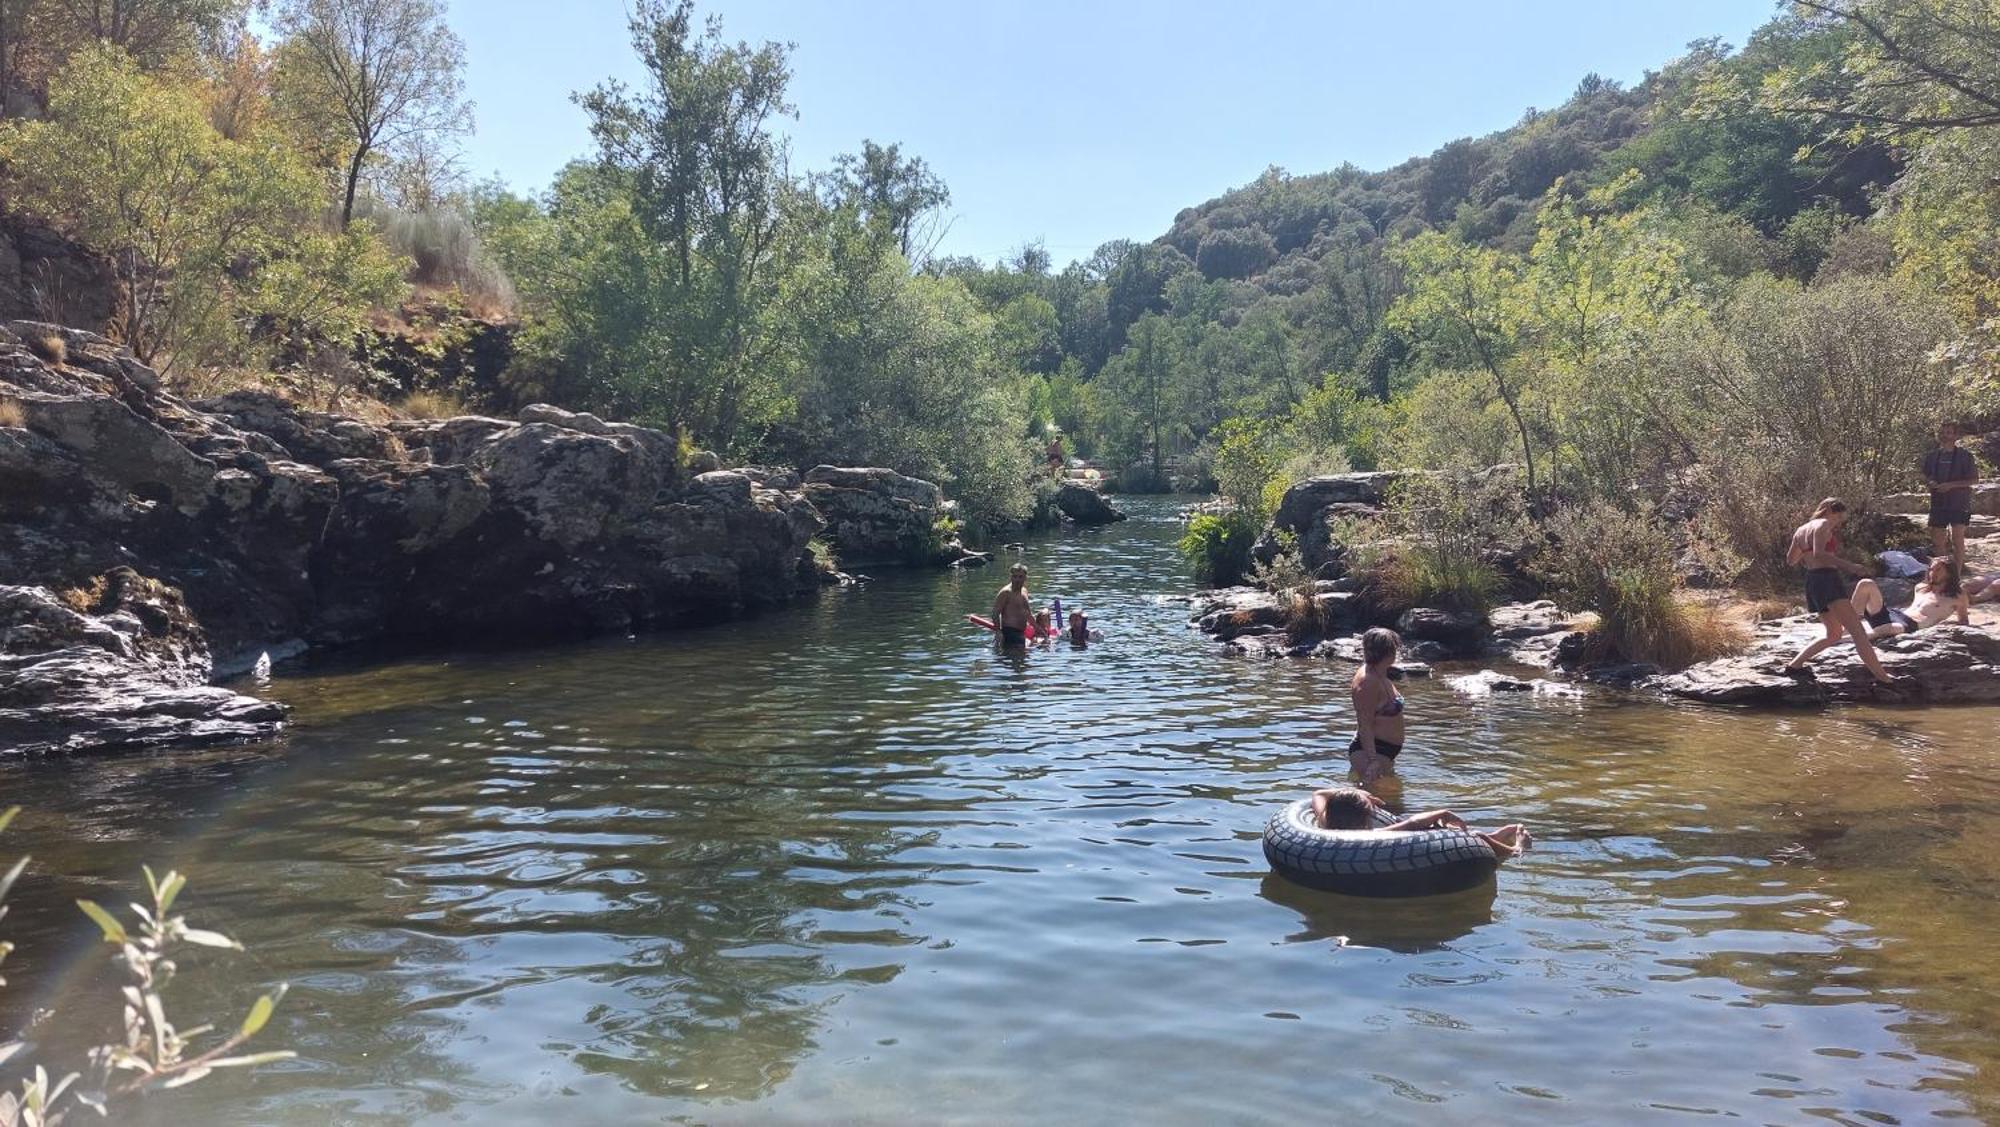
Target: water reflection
851,863
1406,926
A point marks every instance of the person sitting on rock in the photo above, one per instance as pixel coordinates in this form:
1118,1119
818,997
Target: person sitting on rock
1351,808
1378,707
1937,597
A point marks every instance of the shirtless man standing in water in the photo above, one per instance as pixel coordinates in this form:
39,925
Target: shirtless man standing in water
1011,609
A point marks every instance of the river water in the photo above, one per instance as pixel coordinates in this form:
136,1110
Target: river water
848,863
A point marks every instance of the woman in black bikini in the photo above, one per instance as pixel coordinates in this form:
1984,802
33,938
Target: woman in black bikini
1816,547
1378,708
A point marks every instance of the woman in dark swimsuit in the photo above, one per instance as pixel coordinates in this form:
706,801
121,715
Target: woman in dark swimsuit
1816,547
1378,708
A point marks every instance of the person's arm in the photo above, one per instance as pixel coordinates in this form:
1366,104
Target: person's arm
1431,820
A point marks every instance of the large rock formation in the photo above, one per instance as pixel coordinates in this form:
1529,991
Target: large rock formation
1309,511
285,526
130,670
1082,503
876,517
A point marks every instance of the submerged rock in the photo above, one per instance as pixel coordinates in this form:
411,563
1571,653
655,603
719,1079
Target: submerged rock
1083,504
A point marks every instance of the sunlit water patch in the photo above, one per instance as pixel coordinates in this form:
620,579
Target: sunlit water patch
849,863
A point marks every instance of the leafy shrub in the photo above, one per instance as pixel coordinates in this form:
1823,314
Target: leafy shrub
1434,542
444,249
1217,546
1621,566
824,560
945,531
153,1054
1286,576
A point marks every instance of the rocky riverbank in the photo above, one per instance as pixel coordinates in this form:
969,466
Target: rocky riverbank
255,527
1943,664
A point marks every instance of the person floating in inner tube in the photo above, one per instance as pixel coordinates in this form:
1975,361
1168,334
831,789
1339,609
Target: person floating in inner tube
1378,708
1351,808
1011,609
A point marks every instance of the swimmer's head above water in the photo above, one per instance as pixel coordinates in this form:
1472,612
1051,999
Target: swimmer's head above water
1345,808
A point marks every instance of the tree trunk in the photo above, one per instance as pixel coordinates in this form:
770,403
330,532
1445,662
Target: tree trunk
353,181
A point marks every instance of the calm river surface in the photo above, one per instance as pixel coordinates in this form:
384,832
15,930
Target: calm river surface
849,864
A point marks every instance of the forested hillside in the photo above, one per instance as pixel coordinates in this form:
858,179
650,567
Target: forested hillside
1775,263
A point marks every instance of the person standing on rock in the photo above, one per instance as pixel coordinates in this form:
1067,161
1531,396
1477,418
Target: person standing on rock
1378,707
1011,609
1951,473
1816,547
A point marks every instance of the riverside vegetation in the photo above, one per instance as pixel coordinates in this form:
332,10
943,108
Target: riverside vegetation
1757,274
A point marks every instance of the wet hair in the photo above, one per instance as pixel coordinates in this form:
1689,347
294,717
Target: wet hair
1349,808
1018,569
1380,644
1828,507
1950,587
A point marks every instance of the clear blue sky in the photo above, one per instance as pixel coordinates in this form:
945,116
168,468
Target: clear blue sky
1083,121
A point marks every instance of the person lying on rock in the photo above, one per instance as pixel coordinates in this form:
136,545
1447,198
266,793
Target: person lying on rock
1937,597
1378,707
1816,547
1351,808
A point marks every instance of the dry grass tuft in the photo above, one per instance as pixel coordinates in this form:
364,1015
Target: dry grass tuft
50,347
1770,607
432,405
11,414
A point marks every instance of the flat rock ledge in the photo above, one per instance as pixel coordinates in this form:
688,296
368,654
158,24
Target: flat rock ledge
132,672
1945,664
1941,665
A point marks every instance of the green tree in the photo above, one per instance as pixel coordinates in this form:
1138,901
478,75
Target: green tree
697,174
389,71
1908,65
1464,304
894,195
131,165
1141,383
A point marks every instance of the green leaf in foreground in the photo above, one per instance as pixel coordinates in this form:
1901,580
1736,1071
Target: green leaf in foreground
114,932
261,1012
